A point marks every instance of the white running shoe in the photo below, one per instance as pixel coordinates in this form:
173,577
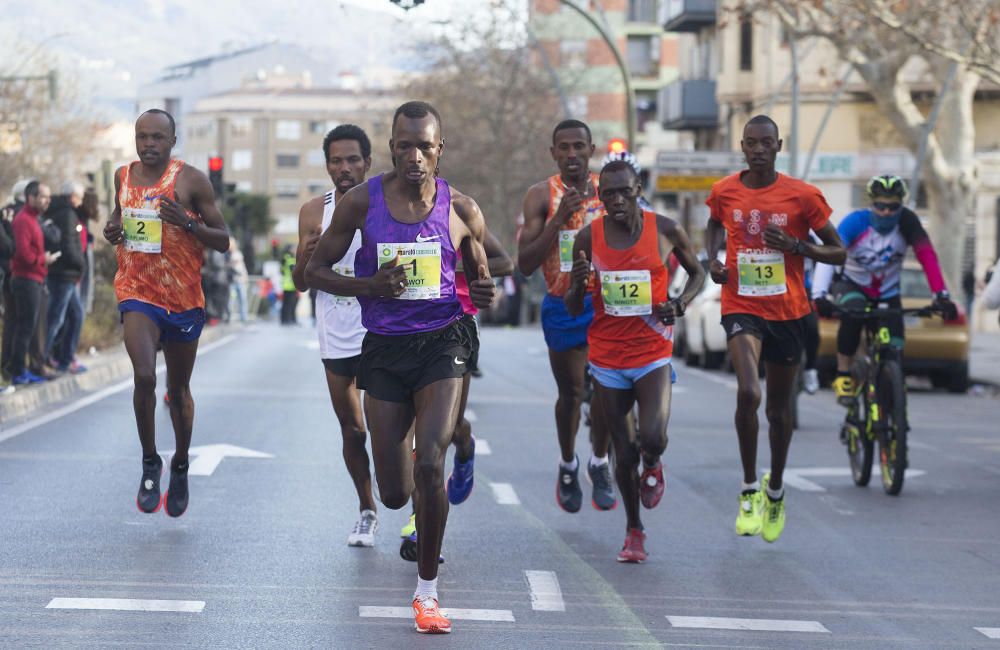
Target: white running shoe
810,381
364,530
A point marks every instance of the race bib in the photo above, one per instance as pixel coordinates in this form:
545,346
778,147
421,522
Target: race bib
143,230
627,293
344,301
566,239
761,274
423,267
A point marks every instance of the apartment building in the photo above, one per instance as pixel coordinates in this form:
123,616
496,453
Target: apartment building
271,139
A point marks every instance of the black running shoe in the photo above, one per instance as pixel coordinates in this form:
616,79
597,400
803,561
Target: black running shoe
603,496
148,499
176,499
569,496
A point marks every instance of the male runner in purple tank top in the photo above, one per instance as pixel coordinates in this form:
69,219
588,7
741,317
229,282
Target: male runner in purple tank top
418,345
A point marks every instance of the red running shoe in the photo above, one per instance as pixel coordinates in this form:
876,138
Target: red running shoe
428,619
634,550
651,485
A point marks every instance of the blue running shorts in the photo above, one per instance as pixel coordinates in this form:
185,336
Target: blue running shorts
177,326
562,331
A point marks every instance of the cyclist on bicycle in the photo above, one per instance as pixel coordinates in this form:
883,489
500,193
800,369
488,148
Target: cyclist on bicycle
876,239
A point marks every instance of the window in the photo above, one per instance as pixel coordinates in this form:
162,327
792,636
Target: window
287,160
201,129
317,127
242,159
239,127
288,130
746,43
318,187
315,157
287,189
645,108
244,186
642,11
643,55
573,54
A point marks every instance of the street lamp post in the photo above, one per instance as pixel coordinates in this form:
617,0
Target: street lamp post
629,91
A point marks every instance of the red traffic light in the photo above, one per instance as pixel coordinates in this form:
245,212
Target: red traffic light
616,145
215,164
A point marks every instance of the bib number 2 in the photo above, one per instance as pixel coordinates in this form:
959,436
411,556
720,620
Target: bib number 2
143,230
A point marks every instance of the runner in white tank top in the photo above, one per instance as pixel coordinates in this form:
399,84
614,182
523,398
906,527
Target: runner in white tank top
338,319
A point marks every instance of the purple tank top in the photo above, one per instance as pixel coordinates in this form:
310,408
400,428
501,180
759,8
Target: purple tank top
425,249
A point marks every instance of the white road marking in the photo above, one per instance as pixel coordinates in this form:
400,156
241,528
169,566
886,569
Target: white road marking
504,615
796,478
310,345
504,494
990,632
756,624
483,447
470,415
546,596
208,457
95,397
128,604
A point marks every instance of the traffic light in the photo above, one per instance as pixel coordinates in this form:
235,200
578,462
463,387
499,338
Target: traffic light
616,145
215,176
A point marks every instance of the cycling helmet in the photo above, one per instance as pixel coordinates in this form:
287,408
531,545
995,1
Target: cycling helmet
627,157
887,185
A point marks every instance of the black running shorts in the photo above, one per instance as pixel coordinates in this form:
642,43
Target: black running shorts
392,368
782,341
346,367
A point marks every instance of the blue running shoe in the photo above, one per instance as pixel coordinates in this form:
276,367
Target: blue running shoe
461,480
27,377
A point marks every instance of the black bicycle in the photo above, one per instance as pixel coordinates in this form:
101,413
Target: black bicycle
878,412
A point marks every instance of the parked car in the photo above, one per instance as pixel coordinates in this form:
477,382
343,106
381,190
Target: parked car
699,337
934,348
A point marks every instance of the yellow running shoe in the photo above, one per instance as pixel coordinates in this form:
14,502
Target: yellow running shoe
774,514
845,389
749,520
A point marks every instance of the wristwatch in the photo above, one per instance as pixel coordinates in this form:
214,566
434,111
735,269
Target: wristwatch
799,247
189,226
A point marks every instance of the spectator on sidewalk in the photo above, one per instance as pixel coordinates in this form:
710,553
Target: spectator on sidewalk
7,214
88,214
239,279
64,305
29,266
289,294
991,294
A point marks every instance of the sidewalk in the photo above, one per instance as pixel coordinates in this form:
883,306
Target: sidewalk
106,368
984,358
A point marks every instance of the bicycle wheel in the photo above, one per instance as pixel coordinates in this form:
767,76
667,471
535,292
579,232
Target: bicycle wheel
860,447
891,395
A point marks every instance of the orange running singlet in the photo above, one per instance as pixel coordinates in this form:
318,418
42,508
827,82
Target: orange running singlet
171,278
559,261
628,284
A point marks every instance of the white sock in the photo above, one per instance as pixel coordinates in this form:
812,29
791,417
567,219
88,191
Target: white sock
571,466
751,486
426,588
598,461
775,494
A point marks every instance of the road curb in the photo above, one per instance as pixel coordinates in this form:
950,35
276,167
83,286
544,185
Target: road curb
114,367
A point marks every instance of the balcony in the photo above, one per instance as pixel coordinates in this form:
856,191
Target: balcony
688,104
687,15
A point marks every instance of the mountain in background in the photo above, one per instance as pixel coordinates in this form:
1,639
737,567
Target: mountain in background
109,48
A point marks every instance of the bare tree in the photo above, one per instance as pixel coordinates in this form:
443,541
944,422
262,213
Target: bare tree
43,134
498,110
885,42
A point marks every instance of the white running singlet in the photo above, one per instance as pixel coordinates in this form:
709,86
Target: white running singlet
338,318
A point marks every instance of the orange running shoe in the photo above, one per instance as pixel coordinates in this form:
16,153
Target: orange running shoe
428,619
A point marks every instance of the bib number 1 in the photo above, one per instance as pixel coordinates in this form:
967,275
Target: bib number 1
422,263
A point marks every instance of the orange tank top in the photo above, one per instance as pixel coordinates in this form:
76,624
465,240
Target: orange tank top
628,284
170,278
559,262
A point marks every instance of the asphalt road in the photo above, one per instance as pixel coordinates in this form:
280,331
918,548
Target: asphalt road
260,559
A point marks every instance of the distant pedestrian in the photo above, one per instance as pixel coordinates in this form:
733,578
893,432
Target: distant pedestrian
64,305
289,295
239,280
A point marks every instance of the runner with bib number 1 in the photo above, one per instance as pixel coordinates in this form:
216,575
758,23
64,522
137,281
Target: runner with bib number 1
764,218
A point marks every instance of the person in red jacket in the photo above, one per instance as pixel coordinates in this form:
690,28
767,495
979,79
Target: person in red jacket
28,267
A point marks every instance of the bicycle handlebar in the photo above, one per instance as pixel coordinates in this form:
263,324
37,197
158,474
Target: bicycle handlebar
874,313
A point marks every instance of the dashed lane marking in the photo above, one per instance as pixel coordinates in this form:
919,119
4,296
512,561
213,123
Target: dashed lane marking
502,615
470,415
483,447
754,624
504,494
990,632
546,596
128,604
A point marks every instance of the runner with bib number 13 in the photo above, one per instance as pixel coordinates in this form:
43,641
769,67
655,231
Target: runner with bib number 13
764,219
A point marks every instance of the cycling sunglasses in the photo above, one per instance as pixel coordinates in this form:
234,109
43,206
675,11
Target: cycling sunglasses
882,206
